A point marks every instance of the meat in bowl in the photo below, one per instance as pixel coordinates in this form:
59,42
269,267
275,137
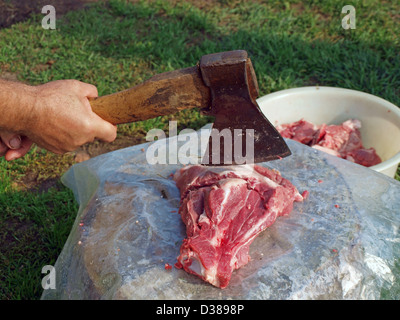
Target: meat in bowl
343,140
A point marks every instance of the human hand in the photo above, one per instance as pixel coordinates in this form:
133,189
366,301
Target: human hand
62,119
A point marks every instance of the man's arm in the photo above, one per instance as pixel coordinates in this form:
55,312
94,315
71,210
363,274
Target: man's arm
15,97
56,116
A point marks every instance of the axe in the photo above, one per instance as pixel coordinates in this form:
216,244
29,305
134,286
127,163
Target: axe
222,85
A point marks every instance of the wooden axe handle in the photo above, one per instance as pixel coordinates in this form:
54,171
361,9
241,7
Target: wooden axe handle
163,94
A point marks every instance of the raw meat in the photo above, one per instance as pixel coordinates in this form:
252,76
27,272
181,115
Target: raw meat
224,209
342,140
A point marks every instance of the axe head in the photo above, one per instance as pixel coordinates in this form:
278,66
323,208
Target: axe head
241,133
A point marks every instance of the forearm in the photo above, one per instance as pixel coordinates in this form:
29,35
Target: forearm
16,103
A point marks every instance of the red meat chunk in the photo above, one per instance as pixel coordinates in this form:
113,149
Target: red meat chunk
342,140
224,209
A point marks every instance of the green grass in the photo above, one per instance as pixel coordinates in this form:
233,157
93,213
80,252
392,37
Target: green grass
34,226
118,44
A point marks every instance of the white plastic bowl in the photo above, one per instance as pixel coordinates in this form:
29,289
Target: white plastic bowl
380,119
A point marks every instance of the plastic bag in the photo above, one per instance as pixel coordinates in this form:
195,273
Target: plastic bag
341,243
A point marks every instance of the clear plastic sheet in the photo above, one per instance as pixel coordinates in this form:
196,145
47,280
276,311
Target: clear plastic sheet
343,242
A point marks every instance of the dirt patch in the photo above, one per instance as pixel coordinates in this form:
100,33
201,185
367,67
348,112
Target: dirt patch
96,148
8,76
45,173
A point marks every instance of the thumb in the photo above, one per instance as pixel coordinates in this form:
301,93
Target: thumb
25,145
11,140
106,131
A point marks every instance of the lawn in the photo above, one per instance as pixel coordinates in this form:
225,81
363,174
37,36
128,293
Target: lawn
118,44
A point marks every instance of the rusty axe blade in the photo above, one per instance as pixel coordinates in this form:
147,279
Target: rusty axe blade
241,133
